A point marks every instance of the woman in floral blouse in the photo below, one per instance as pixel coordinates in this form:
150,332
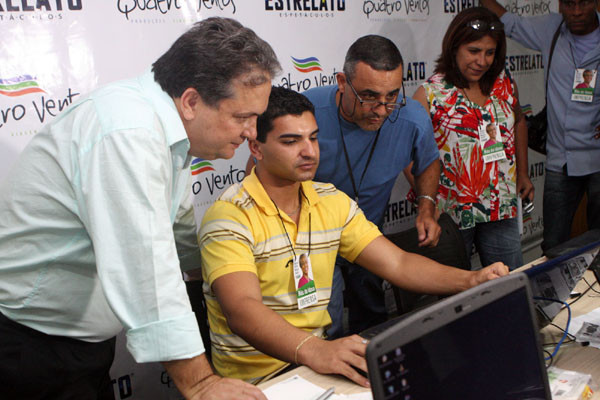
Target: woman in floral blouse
469,98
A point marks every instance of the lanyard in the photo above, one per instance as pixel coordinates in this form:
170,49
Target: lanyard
356,190
288,236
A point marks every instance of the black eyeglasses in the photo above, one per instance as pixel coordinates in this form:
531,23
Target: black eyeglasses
389,106
481,25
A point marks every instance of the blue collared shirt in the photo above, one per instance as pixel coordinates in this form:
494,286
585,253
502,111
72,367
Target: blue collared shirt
571,124
87,244
409,138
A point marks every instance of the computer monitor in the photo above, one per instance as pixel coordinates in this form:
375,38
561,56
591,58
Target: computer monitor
481,343
555,279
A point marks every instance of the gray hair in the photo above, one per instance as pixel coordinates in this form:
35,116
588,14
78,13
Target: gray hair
376,51
210,55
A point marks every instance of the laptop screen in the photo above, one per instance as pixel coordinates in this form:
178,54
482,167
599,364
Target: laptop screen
487,351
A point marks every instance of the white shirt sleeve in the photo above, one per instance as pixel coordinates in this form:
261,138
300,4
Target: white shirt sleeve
127,183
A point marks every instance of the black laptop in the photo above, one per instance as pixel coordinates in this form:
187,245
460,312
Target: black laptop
479,344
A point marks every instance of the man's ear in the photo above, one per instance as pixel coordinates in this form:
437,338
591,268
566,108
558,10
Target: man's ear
255,150
190,103
341,81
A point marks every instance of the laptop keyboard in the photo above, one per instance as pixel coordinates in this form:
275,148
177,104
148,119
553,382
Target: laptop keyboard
373,331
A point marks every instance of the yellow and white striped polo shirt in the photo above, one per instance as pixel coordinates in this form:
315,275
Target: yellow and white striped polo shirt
242,232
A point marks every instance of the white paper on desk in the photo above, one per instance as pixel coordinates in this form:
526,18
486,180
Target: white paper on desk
294,388
298,388
356,396
592,317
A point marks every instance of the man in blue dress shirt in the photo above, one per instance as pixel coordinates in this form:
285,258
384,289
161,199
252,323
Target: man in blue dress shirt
573,143
369,133
87,238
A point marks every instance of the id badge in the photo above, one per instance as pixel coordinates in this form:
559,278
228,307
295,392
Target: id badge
584,83
304,281
491,144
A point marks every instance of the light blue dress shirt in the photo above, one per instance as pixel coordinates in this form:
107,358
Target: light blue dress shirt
571,123
87,244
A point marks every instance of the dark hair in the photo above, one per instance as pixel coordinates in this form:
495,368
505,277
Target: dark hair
459,33
377,52
282,102
210,55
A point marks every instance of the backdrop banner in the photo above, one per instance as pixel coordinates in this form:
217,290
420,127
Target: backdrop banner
54,52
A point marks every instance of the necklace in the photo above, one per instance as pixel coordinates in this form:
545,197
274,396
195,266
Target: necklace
296,210
481,107
286,232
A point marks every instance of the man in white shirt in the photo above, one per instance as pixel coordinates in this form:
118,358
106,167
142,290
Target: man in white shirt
87,244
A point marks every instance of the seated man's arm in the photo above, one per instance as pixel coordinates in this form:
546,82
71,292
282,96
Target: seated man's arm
239,296
420,274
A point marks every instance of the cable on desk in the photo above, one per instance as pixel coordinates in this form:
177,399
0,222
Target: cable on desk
571,337
581,295
548,358
590,285
564,336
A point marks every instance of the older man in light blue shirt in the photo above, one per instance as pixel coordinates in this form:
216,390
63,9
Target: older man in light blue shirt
87,244
573,144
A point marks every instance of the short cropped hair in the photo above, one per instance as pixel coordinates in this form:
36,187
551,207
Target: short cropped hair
459,33
210,55
282,102
376,51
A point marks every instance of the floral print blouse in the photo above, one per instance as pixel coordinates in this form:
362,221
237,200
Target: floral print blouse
470,190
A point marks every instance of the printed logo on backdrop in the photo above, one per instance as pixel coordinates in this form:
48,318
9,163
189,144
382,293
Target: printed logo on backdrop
305,8
396,10
122,387
535,7
456,6
209,181
397,214
533,224
19,86
199,166
415,72
146,11
524,64
38,10
27,101
311,75
221,5
161,11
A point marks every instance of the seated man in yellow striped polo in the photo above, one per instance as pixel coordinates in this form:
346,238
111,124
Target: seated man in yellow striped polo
268,250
